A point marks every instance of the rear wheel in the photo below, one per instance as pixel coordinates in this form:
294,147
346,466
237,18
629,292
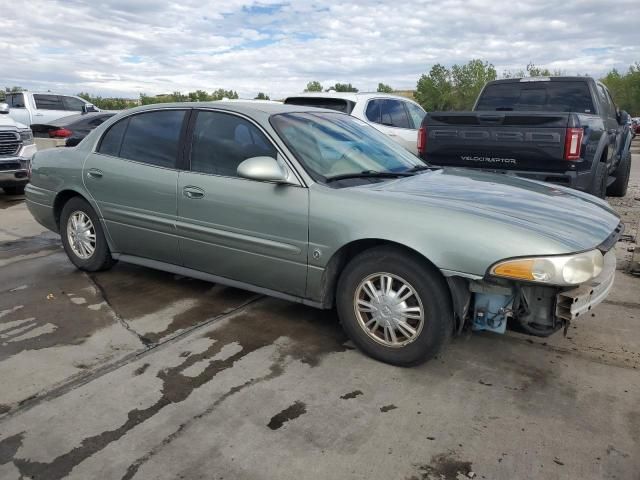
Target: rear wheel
394,307
619,187
14,190
599,181
83,238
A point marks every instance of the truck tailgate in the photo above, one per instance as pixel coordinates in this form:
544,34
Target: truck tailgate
497,140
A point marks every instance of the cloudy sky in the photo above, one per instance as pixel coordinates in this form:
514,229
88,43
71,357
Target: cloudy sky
123,47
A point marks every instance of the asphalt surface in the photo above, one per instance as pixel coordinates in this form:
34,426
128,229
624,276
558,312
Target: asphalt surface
134,373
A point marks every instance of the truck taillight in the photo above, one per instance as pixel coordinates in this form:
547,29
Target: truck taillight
572,143
422,140
60,133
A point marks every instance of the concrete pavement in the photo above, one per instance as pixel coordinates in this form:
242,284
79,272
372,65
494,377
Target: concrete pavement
133,373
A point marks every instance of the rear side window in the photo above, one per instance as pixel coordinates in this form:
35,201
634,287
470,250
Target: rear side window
48,102
15,100
153,138
394,114
222,141
337,104
549,96
72,104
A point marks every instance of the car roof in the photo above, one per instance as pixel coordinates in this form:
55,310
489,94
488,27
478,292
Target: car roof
247,107
352,96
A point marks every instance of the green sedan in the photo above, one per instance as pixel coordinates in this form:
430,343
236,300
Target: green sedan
317,207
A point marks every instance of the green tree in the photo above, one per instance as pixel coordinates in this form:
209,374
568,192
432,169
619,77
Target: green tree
313,86
625,88
262,96
468,80
382,88
435,89
343,87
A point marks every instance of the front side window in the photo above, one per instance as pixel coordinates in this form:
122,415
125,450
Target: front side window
330,144
15,100
72,104
151,137
48,102
222,141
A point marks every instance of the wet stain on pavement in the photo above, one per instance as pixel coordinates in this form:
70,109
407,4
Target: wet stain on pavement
134,292
9,447
4,409
141,369
388,408
443,466
26,245
290,413
350,395
311,335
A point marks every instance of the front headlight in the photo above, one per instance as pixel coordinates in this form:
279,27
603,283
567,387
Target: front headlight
557,270
26,136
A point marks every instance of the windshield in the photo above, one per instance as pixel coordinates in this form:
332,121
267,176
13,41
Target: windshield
331,144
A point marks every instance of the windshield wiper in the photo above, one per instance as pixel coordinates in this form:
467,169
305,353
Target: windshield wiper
368,174
420,168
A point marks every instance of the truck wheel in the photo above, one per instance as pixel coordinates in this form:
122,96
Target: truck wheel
83,238
394,307
619,187
599,181
14,190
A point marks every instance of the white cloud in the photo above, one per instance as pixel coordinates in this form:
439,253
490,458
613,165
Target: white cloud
123,47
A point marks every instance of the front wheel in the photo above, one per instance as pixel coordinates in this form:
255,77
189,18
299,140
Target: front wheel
394,306
83,238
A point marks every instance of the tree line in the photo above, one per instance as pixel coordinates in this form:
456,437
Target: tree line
454,87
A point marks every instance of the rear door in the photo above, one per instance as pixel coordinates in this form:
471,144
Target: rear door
611,125
49,108
250,231
133,178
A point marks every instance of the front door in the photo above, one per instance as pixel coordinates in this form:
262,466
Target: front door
249,231
133,178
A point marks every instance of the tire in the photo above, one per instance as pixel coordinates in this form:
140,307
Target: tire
99,258
14,190
427,292
619,187
599,181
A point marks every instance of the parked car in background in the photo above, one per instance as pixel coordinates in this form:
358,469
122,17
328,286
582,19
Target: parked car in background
74,127
564,130
16,149
318,207
33,107
635,125
397,117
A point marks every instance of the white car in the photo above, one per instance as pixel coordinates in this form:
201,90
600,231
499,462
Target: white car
32,107
397,117
16,149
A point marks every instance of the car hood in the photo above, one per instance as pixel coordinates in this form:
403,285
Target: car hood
575,219
7,121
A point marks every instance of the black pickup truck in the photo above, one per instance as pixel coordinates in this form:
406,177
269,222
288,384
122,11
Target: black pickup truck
564,130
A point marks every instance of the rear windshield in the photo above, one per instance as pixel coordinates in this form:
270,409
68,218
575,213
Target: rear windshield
537,96
337,104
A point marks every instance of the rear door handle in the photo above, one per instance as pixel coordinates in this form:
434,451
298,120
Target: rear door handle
94,173
193,192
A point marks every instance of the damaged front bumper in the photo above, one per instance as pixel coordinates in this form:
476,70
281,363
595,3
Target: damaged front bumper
571,304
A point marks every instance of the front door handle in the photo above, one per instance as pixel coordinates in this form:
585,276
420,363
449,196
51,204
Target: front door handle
193,192
94,173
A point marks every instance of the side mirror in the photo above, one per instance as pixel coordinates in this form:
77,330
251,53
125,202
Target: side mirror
88,107
266,169
4,108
